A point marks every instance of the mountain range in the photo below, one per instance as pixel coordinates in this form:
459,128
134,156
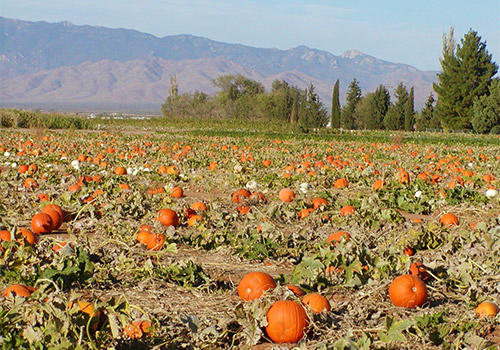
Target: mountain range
61,65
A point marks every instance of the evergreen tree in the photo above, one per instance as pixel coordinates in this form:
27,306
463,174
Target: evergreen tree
335,121
427,118
347,117
467,72
487,111
410,112
313,113
379,103
395,117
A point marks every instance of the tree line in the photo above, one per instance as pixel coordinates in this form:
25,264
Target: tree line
468,98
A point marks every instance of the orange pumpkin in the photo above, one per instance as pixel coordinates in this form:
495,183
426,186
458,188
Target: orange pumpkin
237,196
319,202
295,289
418,269
316,302
167,217
253,284
199,206
336,237
155,241
119,170
341,183
449,220
404,177
176,192
408,291
42,223
286,195
347,210
378,185
286,322
142,236
18,290
56,218
27,235
487,308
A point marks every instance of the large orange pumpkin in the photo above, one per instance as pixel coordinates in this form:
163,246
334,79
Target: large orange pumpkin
316,302
408,291
287,322
55,216
253,284
239,195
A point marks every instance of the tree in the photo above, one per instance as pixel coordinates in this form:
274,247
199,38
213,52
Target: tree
395,117
466,74
410,112
347,117
313,113
427,118
335,120
486,111
378,104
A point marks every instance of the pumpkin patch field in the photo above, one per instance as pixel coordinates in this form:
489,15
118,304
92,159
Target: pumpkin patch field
175,239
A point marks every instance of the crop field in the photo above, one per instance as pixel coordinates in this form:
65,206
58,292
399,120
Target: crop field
141,240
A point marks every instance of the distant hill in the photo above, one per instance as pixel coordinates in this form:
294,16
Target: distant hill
61,63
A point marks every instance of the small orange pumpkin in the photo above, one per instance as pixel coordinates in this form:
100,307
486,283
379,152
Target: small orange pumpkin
319,202
347,210
408,291
167,217
341,183
18,290
155,241
316,302
449,220
286,195
336,237
487,308
253,284
119,170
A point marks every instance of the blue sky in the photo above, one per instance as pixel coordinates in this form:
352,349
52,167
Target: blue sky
396,31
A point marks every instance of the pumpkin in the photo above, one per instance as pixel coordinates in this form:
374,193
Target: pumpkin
449,220
319,202
133,331
418,269
193,219
286,195
295,289
142,236
5,235
42,223
167,217
408,291
27,235
336,237
316,302
119,170
20,290
404,177
253,284
176,192
347,210
378,185
286,322
88,309
199,206
53,207
155,241
56,218
237,196
341,183
487,308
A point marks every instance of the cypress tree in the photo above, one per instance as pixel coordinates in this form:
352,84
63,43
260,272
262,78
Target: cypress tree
409,112
395,117
347,117
335,120
467,72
